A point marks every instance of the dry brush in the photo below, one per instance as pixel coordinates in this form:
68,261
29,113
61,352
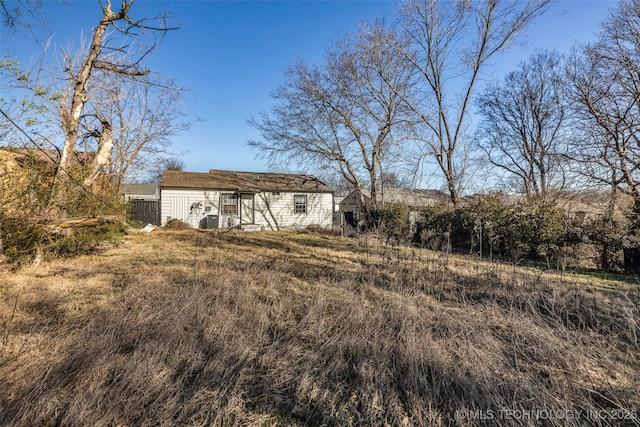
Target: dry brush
192,328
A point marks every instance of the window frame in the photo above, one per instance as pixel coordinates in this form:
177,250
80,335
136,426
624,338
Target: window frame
225,203
300,207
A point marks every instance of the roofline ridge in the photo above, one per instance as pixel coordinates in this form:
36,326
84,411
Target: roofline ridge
262,173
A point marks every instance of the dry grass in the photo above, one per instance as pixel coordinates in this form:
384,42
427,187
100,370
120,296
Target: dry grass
191,328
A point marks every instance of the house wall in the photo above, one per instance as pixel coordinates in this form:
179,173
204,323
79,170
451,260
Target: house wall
273,210
177,203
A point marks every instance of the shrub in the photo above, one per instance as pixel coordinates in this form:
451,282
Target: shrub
392,219
20,239
489,226
84,240
435,222
608,234
82,202
473,228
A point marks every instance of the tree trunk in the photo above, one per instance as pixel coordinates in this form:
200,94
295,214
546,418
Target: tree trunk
71,119
364,209
2,257
635,213
453,193
103,157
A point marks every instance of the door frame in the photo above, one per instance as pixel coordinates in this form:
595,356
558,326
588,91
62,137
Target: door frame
251,209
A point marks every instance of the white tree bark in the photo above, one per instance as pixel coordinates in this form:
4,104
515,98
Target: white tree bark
71,121
103,157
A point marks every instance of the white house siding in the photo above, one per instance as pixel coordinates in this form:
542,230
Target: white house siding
176,203
273,210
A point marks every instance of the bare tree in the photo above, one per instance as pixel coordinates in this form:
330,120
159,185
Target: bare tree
451,42
345,114
606,89
524,129
140,117
168,163
17,15
106,53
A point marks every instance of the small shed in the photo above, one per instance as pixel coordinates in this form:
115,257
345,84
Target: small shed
248,200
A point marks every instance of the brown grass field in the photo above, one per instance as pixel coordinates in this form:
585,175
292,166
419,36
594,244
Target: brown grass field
187,328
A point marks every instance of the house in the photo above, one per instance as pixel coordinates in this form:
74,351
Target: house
146,192
415,199
249,200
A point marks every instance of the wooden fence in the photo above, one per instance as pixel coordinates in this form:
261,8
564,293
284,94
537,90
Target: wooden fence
145,211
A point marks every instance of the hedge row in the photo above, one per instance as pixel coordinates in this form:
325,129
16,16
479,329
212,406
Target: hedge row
493,228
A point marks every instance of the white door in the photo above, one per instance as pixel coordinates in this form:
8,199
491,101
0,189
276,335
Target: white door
246,209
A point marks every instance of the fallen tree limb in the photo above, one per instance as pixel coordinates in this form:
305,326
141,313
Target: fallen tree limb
85,221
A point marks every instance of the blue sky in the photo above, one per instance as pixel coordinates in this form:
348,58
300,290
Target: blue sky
232,54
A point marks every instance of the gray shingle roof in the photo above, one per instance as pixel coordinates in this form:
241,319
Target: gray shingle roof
243,181
415,197
139,189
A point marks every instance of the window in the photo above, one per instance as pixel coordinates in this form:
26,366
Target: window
299,204
229,204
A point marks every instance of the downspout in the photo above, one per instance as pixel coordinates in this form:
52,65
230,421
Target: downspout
239,206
